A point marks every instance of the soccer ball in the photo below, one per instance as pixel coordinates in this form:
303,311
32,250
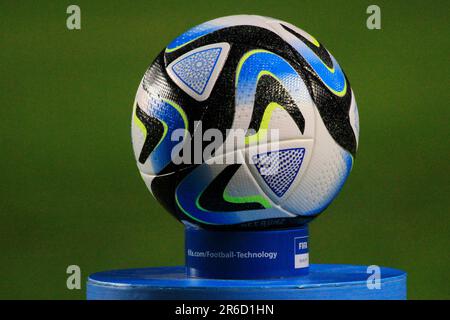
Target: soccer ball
255,75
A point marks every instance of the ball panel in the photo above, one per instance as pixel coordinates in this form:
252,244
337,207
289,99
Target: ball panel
328,169
354,118
264,78
196,71
278,167
243,189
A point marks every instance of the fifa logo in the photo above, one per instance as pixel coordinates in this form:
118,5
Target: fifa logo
301,254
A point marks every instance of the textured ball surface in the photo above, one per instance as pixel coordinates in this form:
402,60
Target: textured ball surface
258,75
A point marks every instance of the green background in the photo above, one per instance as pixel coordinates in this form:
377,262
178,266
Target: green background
70,190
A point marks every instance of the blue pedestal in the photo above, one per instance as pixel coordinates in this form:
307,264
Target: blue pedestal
263,254
324,281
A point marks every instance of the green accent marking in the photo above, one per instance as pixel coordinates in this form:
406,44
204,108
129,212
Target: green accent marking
314,41
244,58
263,127
182,114
197,201
270,108
182,45
262,130
187,213
339,93
144,129
164,133
267,73
139,122
317,44
252,52
245,199
256,198
329,69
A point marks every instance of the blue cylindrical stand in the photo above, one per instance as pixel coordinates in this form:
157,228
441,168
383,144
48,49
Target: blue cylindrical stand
324,281
248,265
263,254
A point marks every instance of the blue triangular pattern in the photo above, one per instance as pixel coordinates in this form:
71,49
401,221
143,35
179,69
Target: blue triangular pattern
195,70
279,168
